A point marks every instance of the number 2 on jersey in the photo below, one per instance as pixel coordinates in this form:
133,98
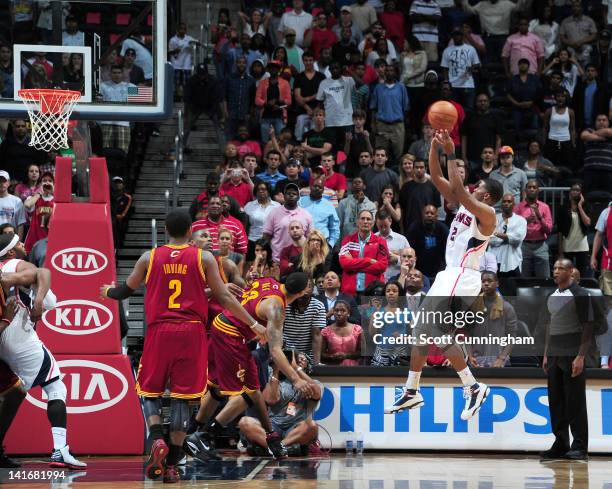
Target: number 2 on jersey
453,234
177,287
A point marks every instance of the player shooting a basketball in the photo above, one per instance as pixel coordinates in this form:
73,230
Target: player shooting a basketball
467,241
175,350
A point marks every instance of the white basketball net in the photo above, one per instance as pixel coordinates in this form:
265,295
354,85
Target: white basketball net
49,112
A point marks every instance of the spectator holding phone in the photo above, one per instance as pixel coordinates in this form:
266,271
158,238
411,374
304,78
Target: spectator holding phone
40,207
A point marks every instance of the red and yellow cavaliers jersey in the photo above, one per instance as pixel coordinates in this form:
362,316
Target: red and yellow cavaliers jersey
175,285
214,308
263,288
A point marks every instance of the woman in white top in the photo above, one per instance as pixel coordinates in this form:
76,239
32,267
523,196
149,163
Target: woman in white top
413,63
569,68
257,24
573,222
381,50
560,130
258,210
545,27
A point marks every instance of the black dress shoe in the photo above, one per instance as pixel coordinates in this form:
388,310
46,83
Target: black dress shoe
552,454
576,455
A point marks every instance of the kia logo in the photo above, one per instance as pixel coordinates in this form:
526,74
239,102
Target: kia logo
92,386
79,261
78,317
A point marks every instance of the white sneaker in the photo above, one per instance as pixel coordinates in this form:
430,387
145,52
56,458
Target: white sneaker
62,458
474,396
410,399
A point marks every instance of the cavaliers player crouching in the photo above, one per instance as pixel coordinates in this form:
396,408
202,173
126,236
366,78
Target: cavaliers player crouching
233,371
175,349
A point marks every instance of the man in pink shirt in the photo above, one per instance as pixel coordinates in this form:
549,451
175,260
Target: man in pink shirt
539,225
244,144
216,219
523,44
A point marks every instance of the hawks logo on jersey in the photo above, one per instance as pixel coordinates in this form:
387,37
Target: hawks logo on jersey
465,244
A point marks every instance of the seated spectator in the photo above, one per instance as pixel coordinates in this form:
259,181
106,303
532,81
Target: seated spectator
512,178
524,91
523,45
356,142
378,175
420,147
499,321
200,203
292,172
428,237
304,320
290,412
272,175
319,140
387,354
273,97
237,184
598,155
262,266
290,255
407,264
539,226
537,167
342,341
324,215
244,144
13,211
573,224
395,241
417,193
415,289
350,207
276,227
507,240
315,259
329,293
40,207
364,257
215,219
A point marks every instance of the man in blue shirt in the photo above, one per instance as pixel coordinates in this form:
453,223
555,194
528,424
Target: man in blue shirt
323,212
239,96
272,175
389,104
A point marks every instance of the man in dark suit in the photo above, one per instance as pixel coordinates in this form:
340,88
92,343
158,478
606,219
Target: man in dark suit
331,293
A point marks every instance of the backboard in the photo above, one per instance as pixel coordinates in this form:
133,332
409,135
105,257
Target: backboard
74,45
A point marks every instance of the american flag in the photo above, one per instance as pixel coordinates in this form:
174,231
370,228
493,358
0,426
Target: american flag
140,94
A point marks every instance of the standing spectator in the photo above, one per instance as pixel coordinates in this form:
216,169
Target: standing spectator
425,16
512,178
394,23
11,207
342,50
6,71
315,259
319,140
524,91
545,27
603,241
407,266
538,167
523,45
499,322
569,334
413,65
72,36
560,131
333,180
378,175
30,185
590,98
323,213
132,73
294,52
305,88
420,148
507,240
381,51
273,97
446,93
293,169
363,15
237,184
319,36
389,105
388,201
244,144
573,223
121,205
343,340
213,183
364,257
539,225
239,88
296,19
323,64
290,254
395,242
330,294
144,58
272,176
350,207
346,20
117,134
481,128
215,219
569,67
459,61
335,93
416,194
428,238
276,226
16,153
180,52
203,95
598,155
578,32
246,49
356,143
600,57
488,162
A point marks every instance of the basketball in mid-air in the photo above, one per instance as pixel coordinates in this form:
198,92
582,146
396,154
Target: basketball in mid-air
443,115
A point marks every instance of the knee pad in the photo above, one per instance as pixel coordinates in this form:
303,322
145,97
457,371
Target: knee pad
179,415
214,393
56,391
247,398
152,406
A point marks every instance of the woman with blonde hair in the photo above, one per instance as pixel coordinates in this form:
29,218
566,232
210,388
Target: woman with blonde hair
225,240
316,258
405,169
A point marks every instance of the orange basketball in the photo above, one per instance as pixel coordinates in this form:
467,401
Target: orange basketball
442,115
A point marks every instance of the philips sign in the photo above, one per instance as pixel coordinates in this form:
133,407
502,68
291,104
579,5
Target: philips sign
92,386
79,261
78,317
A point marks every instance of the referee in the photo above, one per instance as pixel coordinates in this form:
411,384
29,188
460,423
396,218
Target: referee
568,338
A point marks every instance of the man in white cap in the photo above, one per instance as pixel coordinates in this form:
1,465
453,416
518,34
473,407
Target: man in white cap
11,207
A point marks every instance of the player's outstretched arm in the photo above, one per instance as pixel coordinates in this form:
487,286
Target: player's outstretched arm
437,177
136,278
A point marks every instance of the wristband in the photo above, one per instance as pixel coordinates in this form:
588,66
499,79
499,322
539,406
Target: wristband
106,291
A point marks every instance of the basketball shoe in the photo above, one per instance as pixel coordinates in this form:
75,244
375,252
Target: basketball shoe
275,446
474,395
171,475
411,399
201,445
62,458
6,462
154,467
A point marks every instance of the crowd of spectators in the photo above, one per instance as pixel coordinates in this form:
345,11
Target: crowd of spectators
324,109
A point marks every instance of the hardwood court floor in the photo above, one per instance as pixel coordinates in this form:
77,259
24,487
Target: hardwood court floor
371,471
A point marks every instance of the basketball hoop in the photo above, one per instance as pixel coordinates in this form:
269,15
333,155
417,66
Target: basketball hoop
49,112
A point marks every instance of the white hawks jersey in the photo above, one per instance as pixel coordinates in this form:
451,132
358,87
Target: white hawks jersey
465,244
